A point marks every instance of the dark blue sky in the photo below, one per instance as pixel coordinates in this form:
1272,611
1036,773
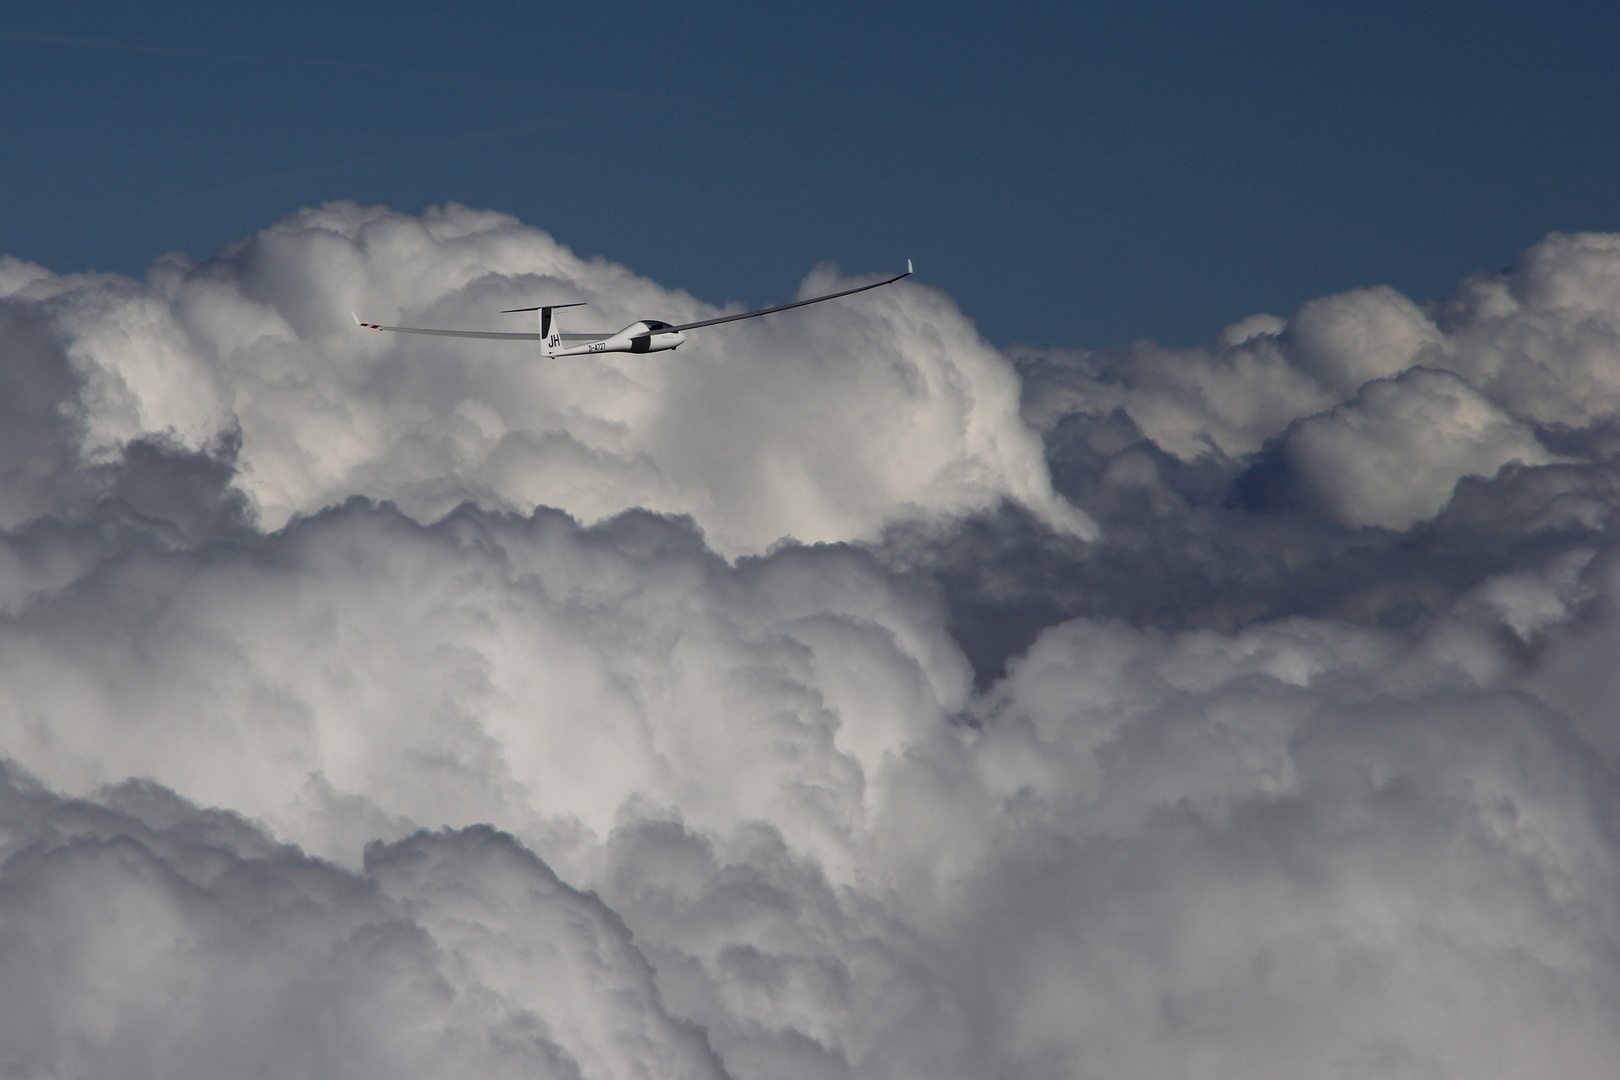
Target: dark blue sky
1075,174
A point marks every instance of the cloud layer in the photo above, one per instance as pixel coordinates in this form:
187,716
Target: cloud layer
143,937
389,707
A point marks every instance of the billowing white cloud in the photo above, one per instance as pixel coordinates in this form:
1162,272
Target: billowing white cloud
1543,339
142,937
1536,345
1393,455
817,426
1223,400
1347,340
631,793
1273,851
1302,851
359,672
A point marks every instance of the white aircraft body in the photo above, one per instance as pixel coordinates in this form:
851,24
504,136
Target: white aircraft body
645,336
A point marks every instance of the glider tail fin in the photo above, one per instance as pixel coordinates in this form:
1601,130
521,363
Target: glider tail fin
550,339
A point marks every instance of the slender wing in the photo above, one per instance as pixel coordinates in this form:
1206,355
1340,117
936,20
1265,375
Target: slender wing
453,333
784,307
498,334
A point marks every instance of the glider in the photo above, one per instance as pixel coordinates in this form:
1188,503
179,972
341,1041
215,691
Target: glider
644,336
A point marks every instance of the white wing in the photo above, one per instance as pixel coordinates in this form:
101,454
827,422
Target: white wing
784,307
497,334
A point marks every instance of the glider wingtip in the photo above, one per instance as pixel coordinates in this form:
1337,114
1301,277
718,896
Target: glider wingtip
908,268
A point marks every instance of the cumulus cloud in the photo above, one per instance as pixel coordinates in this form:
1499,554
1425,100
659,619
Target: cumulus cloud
143,937
407,708
1346,341
1543,338
1538,341
819,429
1302,852
834,858
360,672
1393,455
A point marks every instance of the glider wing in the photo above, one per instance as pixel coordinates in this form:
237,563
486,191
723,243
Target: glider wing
784,307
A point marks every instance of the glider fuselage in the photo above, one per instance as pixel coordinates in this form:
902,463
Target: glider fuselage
646,336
